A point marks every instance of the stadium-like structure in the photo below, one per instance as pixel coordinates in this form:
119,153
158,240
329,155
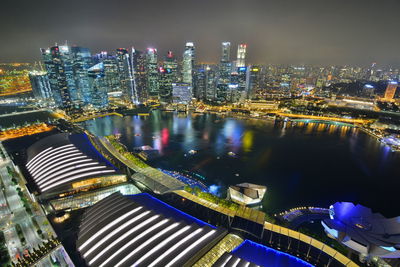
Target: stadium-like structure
362,230
140,230
65,166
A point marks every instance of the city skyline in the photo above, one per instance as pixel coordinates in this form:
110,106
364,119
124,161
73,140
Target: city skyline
338,33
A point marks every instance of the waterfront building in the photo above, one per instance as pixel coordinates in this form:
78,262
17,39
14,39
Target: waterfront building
98,86
111,74
40,84
357,227
224,75
67,172
263,105
81,62
165,82
200,82
152,83
253,81
126,74
246,193
145,232
58,63
181,93
241,56
171,64
390,91
211,80
188,63
139,72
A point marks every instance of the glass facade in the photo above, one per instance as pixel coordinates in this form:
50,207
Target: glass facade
188,63
152,82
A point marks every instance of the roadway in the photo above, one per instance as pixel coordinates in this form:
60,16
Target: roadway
19,215
22,112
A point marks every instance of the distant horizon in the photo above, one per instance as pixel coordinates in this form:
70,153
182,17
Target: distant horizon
311,32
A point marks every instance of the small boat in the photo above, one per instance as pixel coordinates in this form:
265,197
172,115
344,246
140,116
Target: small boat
137,134
232,154
192,152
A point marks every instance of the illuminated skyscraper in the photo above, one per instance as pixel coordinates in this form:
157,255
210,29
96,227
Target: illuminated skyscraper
139,73
188,63
81,62
67,59
241,56
253,81
59,69
199,82
390,90
152,83
165,83
171,64
226,52
211,79
98,86
111,74
125,74
224,75
40,84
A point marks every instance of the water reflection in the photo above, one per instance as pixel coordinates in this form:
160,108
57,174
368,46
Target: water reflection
292,159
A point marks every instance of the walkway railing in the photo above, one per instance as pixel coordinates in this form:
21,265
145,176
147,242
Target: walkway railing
255,216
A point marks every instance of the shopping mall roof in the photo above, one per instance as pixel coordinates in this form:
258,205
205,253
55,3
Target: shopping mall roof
253,254
142,230
59,160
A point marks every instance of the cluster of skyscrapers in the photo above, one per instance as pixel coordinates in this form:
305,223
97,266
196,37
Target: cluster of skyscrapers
74,78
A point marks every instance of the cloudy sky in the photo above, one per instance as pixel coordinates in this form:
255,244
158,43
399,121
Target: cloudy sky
354,32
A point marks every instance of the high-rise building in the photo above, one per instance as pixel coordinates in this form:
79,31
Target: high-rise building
171,64
111,74
200,82
253,81
152,83
181,93
242,78
226,52
188,63
390,90
211,79
98,86
224,75
241,56
40,84
67,58
125,74
59,70
165,83
139,72
81,62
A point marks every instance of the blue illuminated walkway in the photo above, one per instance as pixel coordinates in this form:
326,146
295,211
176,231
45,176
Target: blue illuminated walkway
265,256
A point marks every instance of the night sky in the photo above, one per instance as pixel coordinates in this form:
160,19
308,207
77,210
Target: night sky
355,32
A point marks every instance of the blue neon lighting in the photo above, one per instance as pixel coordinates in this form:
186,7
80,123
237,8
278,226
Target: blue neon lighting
82,142
392,249
265,256
168,211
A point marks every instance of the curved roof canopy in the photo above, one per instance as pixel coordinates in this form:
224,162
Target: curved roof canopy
61,159
140,230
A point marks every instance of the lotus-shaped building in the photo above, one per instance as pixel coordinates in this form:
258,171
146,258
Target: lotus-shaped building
362,230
